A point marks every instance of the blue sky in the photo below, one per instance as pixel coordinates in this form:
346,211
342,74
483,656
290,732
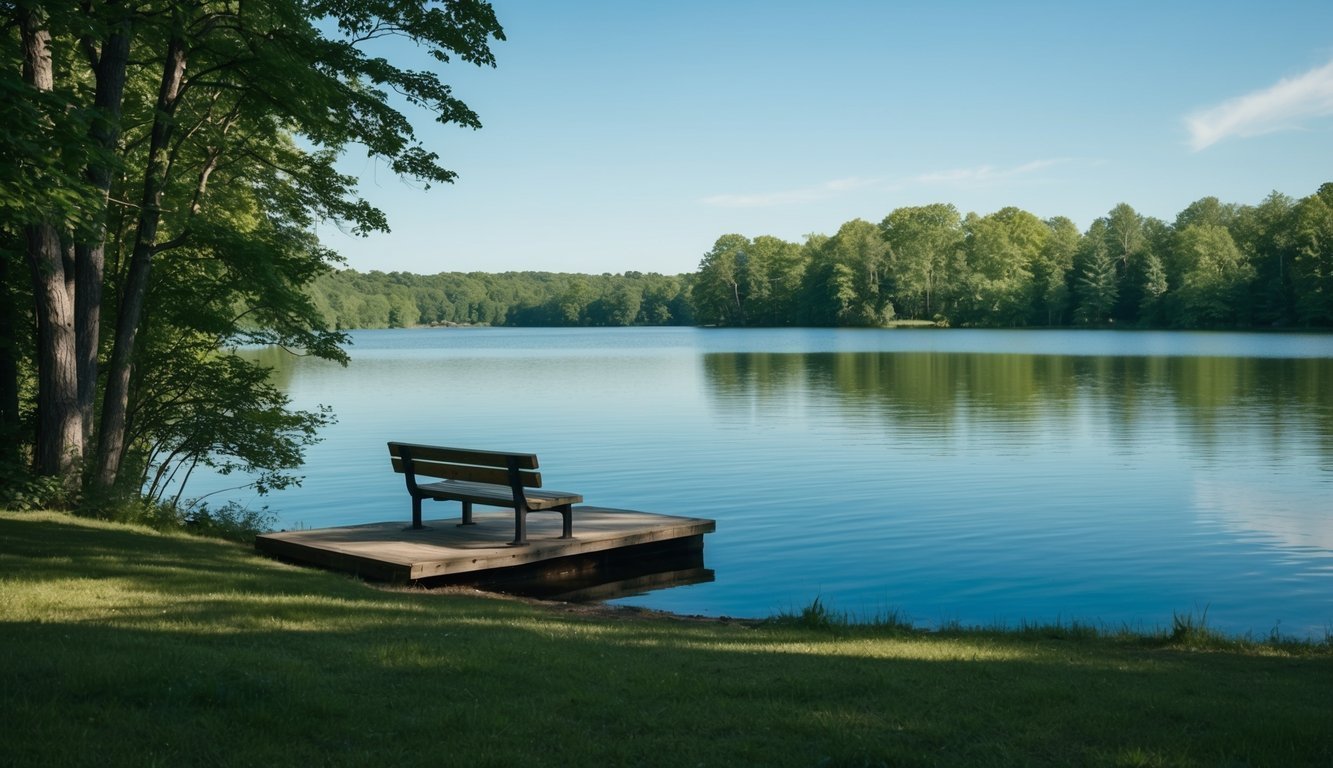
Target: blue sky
631,135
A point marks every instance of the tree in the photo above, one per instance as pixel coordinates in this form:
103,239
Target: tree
721,287
194,110
59,447
1312,265
1206,210
829,292
1126,243
349,299
659,292
1214,288
1051,270
1264,233
574,302
857,256
620,304
775,268
1097,284
924,246
1152,310
1002,250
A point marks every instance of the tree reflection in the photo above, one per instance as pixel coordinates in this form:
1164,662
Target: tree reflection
1281,403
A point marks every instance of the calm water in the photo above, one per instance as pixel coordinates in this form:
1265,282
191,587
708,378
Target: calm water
974,476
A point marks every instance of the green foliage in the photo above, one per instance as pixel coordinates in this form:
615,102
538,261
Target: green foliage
1215,280
351,299
1050,274
826,292
722,285
43,143
1312,265
1265,233
819,616
1002,250
816,615
23,491
858,257
1097,286
1151,309
1190,630
232,521
225,414
775,270
1218,265
183,153
925,257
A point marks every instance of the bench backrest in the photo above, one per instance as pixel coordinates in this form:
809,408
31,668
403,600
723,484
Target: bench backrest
498,467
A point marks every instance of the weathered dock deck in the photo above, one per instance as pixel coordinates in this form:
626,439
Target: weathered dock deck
392,551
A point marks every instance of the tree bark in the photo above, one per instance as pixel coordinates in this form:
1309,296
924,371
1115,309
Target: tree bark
112,442
9,371
90,257
59,429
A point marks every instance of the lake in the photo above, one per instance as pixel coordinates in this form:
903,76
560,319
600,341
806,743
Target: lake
979,477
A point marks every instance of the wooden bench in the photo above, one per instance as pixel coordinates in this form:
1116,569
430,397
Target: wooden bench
489,478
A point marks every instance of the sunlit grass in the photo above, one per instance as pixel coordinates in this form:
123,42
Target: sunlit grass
124,646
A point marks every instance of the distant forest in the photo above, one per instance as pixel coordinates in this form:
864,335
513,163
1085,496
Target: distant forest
1218,265
351,299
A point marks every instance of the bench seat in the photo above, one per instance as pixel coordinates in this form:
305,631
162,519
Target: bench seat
496,495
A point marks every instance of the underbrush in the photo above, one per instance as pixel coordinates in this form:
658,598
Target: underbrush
231,521
23,492
1188,630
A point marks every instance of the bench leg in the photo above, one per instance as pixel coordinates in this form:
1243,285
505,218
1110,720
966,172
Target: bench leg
416,513
520,528
467,513
521,525
567,515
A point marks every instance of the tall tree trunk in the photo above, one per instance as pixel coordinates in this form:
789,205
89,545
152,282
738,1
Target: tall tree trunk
9,370
59,429
90,257
115,404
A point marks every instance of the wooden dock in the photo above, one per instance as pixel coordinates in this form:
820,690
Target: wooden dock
392,551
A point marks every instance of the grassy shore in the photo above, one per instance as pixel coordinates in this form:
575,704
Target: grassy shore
125,646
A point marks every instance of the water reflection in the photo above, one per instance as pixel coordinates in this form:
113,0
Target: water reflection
281,363
1255,434
1282,404
597,577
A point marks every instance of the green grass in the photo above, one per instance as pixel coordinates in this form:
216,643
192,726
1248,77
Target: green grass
125,646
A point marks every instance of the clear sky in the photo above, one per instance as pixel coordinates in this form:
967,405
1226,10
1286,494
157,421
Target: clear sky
631,134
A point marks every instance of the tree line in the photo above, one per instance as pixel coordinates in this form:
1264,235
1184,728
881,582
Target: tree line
1218,265
164,165
352,299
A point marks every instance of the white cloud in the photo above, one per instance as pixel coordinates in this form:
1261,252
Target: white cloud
786,197
1277,108
985,174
